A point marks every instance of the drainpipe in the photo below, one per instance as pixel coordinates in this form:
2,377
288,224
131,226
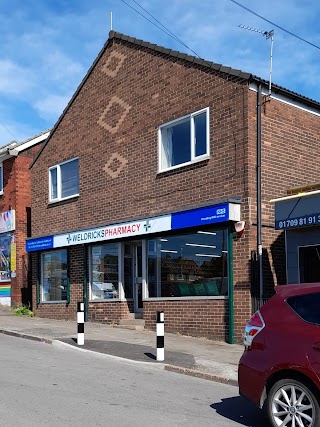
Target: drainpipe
230,284
259,204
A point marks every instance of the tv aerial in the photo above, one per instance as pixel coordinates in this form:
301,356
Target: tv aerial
268,35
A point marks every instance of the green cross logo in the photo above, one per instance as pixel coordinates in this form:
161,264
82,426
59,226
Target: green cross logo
147,225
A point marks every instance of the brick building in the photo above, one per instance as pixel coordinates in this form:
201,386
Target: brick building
136,192
15,225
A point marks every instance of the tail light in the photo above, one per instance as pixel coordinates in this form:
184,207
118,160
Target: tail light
254,326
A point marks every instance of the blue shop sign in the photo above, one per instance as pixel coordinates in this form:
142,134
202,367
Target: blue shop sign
302,221
39,244
299,211
202,216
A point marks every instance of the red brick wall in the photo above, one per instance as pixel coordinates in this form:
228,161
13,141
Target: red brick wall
157,91
290,139
17,195
201,318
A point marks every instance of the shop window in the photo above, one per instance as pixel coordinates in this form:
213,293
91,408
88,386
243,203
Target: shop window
7,257
54,275
104,283
190,265
184,141
64,180
1,178
309,264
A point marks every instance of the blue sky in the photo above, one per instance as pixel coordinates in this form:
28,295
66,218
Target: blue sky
47,47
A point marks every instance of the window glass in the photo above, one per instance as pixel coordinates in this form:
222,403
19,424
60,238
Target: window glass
188,265
309,264
128,276
69,178
180,151
179,144
54,276
64,180
200,127
306,306
54,183
104,272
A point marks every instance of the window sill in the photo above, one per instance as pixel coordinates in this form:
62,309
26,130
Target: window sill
65,199
54,302
183,165
193,298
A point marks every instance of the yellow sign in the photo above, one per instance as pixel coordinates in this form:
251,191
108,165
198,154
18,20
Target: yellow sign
13,257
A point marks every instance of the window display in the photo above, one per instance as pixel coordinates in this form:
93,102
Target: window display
104,272
188,265
7,240
54,276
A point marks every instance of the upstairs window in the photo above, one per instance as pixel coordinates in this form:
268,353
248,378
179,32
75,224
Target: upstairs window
64,180
184,141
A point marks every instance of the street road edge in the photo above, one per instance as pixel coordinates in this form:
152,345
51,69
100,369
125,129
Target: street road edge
166,367
201,374
25,336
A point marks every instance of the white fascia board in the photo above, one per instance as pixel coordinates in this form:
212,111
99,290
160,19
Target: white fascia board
5,156
234,212
286,100
32,142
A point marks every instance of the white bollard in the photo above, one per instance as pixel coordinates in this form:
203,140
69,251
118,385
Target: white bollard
80,321
160,336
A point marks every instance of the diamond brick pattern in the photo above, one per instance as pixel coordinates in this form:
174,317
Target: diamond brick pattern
114,114
113,64
115,165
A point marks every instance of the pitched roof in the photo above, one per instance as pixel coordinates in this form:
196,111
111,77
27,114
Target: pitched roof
13,148
113,35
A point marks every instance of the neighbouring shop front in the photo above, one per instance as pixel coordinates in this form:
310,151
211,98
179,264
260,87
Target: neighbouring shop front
7,255
179,262
299,217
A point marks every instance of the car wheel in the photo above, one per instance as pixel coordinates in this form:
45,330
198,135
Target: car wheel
291,403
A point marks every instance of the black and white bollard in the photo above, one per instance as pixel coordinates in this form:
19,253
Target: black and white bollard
160,335
80,321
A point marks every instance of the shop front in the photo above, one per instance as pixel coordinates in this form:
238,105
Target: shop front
299,217
131,269
7,255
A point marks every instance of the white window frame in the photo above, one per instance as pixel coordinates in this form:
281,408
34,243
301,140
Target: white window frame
58,168
1,180
194,158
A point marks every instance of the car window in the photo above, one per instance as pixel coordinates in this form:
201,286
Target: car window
307,307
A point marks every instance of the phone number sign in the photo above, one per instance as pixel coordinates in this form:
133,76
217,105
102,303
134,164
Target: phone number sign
302,221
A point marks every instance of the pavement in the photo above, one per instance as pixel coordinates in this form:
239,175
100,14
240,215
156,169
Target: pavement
200,357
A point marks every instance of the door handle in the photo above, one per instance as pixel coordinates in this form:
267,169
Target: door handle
316,346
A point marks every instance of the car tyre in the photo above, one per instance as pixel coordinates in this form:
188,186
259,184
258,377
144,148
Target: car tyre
292,403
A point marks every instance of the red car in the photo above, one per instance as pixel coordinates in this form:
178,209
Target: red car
280,367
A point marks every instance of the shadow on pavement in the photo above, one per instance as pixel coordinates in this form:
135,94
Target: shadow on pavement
138,352
241,411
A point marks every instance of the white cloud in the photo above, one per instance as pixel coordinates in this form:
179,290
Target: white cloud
52,106
14,79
